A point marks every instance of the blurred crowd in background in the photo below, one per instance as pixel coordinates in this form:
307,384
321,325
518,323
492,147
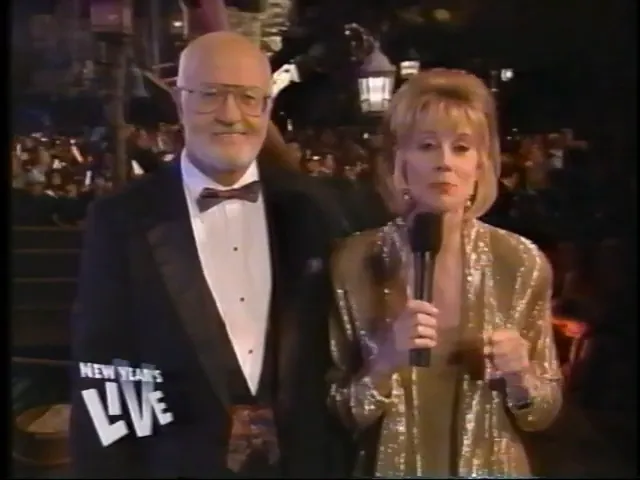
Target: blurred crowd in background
552,186
552,190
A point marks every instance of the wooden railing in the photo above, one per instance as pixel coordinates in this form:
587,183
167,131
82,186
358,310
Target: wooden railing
43,362
45,262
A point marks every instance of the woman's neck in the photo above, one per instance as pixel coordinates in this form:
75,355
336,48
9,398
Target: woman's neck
452,225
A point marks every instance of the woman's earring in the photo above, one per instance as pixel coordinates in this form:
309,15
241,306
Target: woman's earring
468,203
408,203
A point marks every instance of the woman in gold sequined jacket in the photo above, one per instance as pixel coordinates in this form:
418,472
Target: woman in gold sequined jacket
493,372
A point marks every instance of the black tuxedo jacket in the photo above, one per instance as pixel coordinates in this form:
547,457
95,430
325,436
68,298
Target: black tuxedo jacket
143,298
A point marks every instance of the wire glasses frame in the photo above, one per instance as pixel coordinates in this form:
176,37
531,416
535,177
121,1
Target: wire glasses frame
252,101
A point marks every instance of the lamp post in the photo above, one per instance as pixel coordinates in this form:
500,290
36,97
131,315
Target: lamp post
410,66
112,24
376,79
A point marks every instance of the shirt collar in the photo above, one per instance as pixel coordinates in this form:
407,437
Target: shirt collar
196,181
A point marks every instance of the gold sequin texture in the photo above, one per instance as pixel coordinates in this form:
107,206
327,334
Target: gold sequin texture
506,284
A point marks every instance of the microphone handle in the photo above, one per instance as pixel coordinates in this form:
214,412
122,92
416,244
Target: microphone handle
423,271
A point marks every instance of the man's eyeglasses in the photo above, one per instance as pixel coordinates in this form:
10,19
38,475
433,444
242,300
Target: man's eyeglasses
250,100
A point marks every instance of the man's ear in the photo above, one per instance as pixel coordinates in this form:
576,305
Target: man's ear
269,107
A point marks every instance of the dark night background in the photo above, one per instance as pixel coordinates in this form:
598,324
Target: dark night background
574,64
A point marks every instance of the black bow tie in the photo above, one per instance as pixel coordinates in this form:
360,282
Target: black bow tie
210,197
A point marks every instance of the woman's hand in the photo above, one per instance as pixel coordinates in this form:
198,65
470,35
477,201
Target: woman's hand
416,327
507,351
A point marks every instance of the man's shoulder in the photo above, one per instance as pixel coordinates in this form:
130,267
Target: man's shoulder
311,193
287,178
133,194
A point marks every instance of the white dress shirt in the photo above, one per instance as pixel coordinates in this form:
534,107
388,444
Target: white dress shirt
233,245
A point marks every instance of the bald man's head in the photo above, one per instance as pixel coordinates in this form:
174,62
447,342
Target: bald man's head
223,88
222,49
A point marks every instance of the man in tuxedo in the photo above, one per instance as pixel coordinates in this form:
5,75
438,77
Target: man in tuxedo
213,270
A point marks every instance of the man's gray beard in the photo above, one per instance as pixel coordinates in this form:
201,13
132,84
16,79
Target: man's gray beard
210,165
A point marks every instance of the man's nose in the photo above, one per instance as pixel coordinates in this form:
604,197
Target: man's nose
229,111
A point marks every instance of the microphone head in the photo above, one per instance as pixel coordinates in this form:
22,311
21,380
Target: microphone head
425,233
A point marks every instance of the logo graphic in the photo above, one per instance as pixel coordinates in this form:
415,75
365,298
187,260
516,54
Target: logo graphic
120,380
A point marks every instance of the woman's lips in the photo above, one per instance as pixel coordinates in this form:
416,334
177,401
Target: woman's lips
443,187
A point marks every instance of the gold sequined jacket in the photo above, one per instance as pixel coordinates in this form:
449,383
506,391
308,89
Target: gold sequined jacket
507,284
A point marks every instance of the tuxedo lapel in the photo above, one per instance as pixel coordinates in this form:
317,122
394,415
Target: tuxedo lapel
295,260
170,236
282,320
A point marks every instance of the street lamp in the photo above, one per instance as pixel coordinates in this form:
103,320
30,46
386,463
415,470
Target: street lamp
506,74
177,25
112,23
410,66
377,77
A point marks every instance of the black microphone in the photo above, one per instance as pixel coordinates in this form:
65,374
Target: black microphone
425,236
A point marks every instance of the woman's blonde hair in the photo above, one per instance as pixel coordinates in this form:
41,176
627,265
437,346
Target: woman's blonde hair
452,97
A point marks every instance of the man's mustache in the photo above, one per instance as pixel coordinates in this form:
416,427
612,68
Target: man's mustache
239,128
230,132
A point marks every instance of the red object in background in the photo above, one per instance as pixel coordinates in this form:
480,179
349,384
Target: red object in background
112,17
568,332
569,327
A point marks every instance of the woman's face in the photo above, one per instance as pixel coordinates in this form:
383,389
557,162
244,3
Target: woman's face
44,158
16,166
56,180
72,190
536,154
438,167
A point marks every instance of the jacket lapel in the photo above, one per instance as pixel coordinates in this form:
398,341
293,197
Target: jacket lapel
170,236
297,256
281,314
